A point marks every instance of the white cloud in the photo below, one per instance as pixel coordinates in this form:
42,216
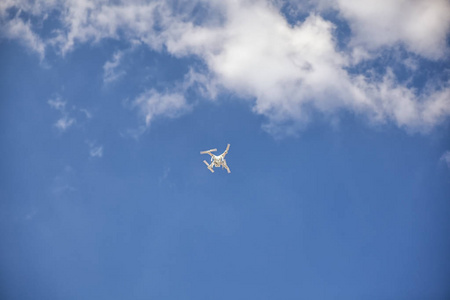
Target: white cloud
96,151
62,184
284,70
390,100
164,176
65,121
421,25
110,72
19,30
288,70
88,20
152,104
57,104
202,81
446,158
31,214
87,113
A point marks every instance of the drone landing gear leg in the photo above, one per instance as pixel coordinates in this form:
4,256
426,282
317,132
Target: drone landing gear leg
209,166
226,167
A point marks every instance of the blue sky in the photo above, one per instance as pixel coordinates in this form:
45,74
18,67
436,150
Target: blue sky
340,149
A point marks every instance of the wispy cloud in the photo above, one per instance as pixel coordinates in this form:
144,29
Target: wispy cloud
18,29
164,176
31,214
95,150
87,113
63,182
65,121
446,158
110,68
67,115
57,104
152,104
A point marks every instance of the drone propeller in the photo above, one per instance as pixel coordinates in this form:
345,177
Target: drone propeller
208,151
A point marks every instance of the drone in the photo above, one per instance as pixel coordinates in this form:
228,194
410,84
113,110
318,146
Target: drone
217,161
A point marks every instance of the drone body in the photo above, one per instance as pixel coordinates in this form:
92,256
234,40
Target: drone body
217,160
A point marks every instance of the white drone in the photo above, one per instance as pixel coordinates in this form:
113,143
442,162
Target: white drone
217,161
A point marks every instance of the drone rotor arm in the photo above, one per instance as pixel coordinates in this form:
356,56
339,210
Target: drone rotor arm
226,151
208,151
209,166
226,167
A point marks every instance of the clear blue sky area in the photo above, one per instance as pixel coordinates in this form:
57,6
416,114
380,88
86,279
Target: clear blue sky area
95,203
